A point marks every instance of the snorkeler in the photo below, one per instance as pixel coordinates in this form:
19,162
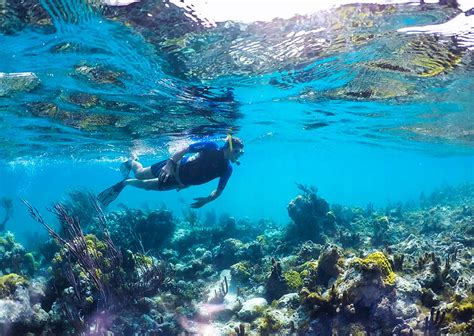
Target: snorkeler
209,161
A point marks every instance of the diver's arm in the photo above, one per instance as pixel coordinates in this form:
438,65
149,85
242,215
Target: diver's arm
193,148
170,167
201,201
176,157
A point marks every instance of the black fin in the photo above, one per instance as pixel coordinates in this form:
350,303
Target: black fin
109,195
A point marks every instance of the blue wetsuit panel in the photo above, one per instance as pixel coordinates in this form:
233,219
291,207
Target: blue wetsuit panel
202,146
206,164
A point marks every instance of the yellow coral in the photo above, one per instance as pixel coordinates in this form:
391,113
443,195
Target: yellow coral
268,324
377,261
293,279
143,260
311,265
58,258
459,328
9,282
463,310
466,311
314,298
242,267
95,247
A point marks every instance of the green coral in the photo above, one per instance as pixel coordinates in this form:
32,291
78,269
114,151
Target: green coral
241,271
308,270
29,258
293,279
9,282
377,262
29,262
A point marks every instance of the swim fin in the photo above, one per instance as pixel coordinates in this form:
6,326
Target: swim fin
109,195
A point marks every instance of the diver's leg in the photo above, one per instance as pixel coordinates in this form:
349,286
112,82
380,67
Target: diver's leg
140,172
147,173
150,184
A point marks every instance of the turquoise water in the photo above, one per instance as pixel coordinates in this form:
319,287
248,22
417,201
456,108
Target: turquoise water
351,210
339,99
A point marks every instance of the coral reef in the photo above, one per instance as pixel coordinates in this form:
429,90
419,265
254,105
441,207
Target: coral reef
310,214
377,263
169,275
143,231
92,276
14,258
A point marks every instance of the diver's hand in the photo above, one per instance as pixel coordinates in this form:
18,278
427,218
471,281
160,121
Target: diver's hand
167,171
201,201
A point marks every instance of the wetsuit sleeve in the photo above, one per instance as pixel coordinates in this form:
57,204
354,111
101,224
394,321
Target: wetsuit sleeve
224,178
202,146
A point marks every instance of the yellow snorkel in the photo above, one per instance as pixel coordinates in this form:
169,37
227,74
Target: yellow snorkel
229,141
231,149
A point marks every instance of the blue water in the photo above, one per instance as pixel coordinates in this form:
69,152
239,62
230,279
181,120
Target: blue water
312,111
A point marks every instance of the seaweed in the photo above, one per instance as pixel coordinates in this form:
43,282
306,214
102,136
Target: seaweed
220,294
86,262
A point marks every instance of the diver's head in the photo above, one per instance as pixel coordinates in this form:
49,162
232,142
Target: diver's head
234,148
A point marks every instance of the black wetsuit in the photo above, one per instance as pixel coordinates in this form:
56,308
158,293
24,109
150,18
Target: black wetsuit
206,164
